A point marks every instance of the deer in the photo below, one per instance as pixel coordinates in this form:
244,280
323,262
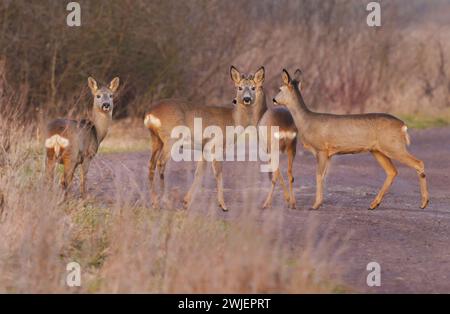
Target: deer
248,110
287,137
326,135
74,143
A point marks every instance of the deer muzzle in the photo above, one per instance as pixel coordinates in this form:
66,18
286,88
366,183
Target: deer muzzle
106,107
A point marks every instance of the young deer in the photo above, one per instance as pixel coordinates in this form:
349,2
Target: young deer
287,134
325,135
75,142
166,115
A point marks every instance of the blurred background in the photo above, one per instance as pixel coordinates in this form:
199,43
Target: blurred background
174,48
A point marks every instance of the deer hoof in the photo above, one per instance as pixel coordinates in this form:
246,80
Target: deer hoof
316,206
374,206
424,204
223,207
267,204
155,205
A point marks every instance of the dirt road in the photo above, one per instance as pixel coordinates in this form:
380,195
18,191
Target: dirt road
411,245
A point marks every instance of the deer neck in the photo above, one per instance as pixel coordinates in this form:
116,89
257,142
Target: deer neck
245,115
102,121
260,106
297,106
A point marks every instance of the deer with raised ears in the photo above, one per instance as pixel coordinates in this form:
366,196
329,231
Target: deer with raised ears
326,135
271,117
166,115
249,108
75,142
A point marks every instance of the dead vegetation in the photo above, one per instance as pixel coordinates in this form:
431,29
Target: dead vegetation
125,246
166,49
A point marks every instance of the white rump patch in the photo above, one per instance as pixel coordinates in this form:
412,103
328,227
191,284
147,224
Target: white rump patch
56,142
284,134
291,135
405,132
151,120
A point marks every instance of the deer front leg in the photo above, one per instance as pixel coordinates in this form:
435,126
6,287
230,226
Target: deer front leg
291,156
322,165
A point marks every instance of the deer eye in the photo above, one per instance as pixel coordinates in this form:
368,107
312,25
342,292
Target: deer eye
98,96
253,87
110,95
240,88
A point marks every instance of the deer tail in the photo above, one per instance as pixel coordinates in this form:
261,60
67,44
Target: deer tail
406,135
56,142
152,122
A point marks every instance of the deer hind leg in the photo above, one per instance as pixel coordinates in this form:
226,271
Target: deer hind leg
83,176
391,173
291,155
406,158
322,165
274,178
69,170
156,151
162,163
284,187
199,172
217,169
50,165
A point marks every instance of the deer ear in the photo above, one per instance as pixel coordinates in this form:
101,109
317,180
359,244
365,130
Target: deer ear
235,75
92,84
286,77
298,75
114,85
260,76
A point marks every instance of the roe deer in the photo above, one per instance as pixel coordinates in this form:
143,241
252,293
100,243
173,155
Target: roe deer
166,115
325,135
287,134
75,142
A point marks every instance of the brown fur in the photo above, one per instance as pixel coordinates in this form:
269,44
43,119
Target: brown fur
282,118
326,135
166,115
82,137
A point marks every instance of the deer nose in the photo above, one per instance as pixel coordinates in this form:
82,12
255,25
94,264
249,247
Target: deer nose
106,105
247,100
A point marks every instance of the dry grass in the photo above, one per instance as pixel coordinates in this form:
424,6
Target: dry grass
126,135
163,49
123,247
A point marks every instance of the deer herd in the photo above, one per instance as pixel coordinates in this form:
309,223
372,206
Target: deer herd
74,143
